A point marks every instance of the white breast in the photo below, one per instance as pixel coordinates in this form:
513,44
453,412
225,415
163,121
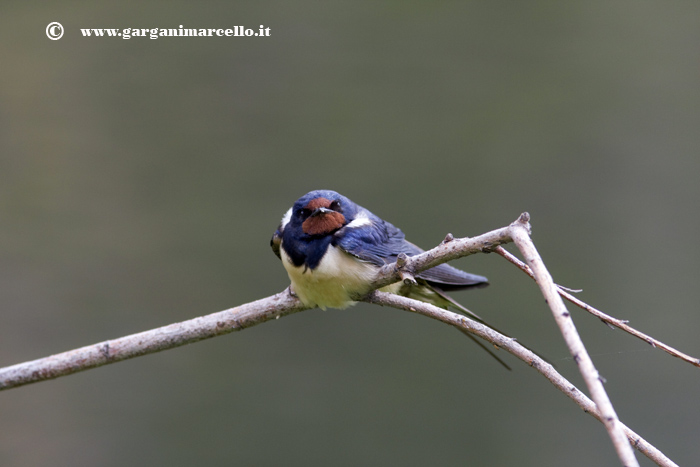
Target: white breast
338,277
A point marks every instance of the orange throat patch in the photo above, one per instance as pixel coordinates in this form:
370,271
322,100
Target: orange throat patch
323,223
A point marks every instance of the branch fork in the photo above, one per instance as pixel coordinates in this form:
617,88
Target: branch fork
406,276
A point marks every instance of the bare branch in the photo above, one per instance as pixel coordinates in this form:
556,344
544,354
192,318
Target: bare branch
226,321
404,269
619,323
155,340
514,348
521,236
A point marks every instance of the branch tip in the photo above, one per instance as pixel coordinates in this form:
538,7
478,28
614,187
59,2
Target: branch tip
567,289
401,261
523,221
408,278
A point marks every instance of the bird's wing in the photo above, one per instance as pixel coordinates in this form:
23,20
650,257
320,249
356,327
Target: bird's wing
448,277
379,242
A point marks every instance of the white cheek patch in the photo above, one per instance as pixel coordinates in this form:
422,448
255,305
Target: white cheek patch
285,219
360,221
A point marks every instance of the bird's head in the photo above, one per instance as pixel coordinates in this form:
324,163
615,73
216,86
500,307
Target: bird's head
316,215
320,213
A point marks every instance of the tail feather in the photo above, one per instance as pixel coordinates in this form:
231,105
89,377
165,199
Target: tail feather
433,294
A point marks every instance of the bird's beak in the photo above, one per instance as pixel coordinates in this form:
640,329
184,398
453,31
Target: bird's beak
320,211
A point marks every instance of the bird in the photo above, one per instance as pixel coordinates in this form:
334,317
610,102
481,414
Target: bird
332,249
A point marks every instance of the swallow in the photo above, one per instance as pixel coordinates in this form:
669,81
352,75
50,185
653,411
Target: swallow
332,249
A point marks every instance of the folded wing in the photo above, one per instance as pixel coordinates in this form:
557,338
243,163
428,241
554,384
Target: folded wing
380,243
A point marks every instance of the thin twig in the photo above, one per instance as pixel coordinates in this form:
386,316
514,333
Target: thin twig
520,233
513,347
618,323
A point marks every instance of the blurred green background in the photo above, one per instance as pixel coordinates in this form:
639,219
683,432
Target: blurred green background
141,180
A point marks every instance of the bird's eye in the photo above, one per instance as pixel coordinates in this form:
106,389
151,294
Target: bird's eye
303,212
335,205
